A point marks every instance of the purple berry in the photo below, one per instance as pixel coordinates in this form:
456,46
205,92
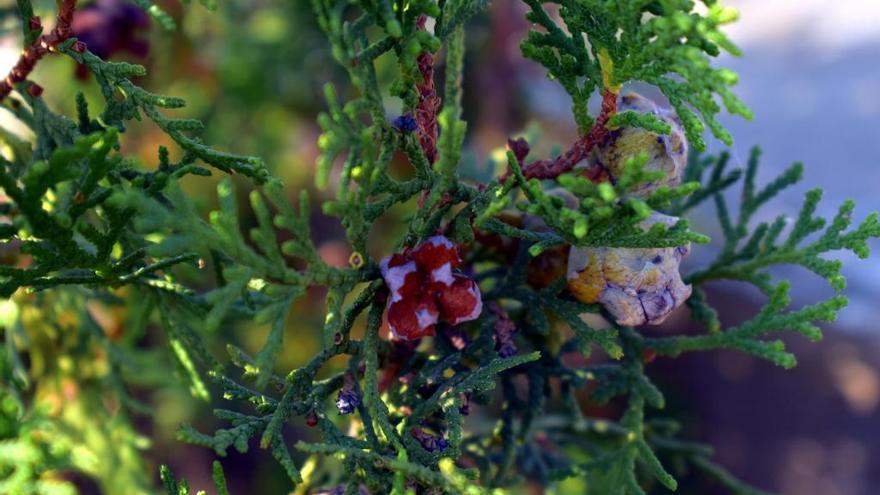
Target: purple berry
405,123
348,399
429,442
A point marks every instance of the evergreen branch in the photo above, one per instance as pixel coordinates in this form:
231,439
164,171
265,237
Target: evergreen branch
548,169
737,487
746,337
39,46
745,260
410,470
90,221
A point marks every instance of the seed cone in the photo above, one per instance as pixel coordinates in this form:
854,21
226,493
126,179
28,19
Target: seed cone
637,286
667,153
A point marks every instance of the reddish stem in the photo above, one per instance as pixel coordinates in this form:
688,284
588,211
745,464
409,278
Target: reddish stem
42,45
548,169
429,103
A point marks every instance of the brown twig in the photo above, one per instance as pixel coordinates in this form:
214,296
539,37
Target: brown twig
42,45
429,103
548,169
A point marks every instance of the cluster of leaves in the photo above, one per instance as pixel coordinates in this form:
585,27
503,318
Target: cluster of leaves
174,487
24,456
69,241
748,251
93,225
66,401
665,43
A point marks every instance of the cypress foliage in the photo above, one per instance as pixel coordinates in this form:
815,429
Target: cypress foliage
97,227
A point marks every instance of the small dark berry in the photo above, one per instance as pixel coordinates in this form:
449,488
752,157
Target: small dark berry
35,24
35,90
79,47
504,329
348,399
312,419
429,442
347,402
519,147
465,407
405,123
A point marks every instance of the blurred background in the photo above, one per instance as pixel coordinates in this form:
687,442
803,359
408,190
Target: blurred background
253,71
